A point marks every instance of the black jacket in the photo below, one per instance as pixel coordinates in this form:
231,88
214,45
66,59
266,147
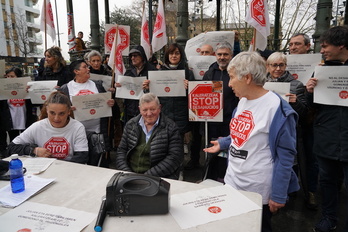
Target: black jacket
167,149
63,75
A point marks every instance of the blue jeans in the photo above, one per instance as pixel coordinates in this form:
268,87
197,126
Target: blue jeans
329,175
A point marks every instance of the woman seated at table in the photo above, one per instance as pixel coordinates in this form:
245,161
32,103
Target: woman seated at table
55,135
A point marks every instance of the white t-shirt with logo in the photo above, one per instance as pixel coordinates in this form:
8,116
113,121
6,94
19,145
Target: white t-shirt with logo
250,160
61,142
89,87
18,113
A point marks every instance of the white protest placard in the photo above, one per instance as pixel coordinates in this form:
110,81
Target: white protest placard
37,217
131,87
200,64
213,38
302,66
167,83
205,101
332,85
280,88
110,31
105,78
199,207
40,90
91,106
14,88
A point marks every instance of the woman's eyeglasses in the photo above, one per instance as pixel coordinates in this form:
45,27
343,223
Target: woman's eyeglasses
277,65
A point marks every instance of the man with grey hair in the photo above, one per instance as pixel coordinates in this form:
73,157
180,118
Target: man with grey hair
262,140
300,43
151,142
218,72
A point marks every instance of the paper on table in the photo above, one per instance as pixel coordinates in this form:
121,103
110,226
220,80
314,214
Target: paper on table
195,208
33,184
37,165
41,217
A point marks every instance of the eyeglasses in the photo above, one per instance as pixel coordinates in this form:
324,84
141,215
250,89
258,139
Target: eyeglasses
277,65
134,55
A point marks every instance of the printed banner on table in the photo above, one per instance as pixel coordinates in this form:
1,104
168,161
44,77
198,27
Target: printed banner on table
91,106
332,86
40,90
200,64
105,78
205,101
193,46
199,207
14,88
33,217
131,87
280,88
302,66
168,83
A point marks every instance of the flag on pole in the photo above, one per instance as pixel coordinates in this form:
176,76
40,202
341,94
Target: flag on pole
116,60
145,38
159,37
258,17
47,21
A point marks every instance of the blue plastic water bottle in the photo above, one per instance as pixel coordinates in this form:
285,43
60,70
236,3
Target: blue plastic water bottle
16,174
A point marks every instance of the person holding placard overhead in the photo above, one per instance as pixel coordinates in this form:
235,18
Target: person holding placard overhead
331,133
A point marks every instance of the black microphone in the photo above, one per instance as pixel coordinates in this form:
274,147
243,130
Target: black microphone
101,216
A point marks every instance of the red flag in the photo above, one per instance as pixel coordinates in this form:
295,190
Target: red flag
145,38
116,60
47,21
258,17
159,37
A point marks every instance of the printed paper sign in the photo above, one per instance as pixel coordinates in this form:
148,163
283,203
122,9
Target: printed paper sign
205,101
35,217
91,106
332,86
302,66
106,80
131,87
280,88
167,83
40,90
200,64
14,88
193,46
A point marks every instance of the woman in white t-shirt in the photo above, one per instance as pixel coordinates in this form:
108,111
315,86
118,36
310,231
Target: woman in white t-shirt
55,135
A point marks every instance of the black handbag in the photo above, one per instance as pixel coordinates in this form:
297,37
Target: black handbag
97,149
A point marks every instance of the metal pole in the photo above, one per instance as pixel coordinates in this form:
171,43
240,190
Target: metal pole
218,14
95,41
276,26
150,20
323,19
107,12
55,2
182,22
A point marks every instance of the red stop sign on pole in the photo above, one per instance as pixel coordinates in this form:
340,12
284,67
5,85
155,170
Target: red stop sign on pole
205,100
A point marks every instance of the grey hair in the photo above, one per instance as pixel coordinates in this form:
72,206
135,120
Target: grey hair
249,63
148,97
93,53
224,45
306,38
275,56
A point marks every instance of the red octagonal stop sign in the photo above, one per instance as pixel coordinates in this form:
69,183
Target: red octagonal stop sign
58,146
109,37
258,12
205,103
241,126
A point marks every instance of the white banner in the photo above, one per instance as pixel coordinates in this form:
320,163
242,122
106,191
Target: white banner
14,88
280,88
131,87
332,86
302,66
105,78
199,65
40,90
167,83
91,106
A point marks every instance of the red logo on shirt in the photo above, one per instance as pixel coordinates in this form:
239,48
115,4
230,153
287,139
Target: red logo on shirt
84,92
17,102
58,146
214,209
241,126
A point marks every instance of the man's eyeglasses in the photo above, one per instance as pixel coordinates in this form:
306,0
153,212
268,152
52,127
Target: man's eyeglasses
134,55
277,65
